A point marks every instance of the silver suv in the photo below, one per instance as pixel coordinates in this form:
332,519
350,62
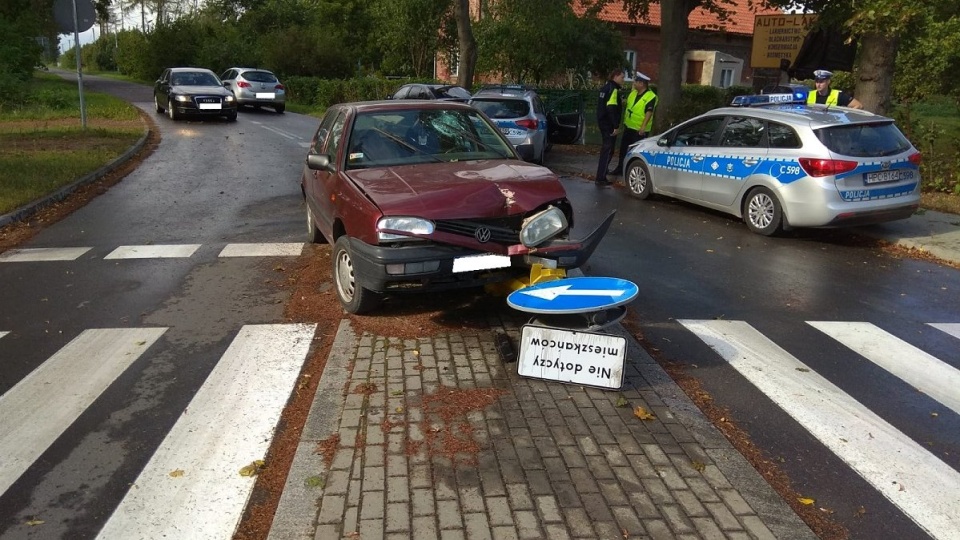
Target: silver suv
255,87
523,119
778,163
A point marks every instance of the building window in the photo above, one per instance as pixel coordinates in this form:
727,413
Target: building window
726,78
631,57
453,58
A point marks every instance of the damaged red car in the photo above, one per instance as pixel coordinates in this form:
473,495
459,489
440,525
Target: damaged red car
419,196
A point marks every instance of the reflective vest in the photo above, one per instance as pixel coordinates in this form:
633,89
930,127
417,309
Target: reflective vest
832,98
636,109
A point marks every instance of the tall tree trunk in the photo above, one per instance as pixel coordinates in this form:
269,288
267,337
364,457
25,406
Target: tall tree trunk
673,38
468,44
878,54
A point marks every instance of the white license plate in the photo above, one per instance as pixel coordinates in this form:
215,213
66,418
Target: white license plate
887,176
266,95
480,262
210,106
513,132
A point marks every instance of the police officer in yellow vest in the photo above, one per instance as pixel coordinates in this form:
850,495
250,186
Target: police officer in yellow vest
827,96
637,116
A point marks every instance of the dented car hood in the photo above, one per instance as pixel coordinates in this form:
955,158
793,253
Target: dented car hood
459,189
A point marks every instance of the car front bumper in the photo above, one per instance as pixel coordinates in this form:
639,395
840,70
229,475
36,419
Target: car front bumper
430,267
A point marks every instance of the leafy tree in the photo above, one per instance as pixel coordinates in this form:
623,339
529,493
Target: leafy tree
558,42
407,34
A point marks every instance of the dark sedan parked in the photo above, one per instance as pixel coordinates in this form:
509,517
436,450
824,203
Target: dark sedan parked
431,91
422,196
193,91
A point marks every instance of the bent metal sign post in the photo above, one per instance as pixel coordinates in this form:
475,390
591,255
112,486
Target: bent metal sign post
572,356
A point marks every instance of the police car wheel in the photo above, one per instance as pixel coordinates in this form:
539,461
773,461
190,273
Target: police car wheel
762,212
354,298
638,179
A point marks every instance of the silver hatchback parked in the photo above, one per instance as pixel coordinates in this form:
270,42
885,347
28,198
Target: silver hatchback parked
255,87
783,164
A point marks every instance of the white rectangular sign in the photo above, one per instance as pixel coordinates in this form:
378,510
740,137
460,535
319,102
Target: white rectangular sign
570,356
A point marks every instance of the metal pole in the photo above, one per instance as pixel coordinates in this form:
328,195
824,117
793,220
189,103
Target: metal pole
76,37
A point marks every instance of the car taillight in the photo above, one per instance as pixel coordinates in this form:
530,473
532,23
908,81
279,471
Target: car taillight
527,123
916,158
243,84
826,167
278,87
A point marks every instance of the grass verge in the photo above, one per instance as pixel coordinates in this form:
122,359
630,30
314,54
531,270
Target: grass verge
44,145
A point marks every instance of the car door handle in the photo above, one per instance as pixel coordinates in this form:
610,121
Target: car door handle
750,162
697,158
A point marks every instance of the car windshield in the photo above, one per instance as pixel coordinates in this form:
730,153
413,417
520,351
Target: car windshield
259,76
194,78
864,140
407,137
502,108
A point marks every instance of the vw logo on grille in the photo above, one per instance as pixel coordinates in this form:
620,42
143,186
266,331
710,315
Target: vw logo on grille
482,234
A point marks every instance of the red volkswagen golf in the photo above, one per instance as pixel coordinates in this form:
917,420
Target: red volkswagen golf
428,195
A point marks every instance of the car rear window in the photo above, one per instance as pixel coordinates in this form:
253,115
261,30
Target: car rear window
259,76
864,140
454,92
502,108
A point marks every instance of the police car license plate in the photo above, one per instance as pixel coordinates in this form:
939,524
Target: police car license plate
210,106
887,176
513,132
266,95
480,262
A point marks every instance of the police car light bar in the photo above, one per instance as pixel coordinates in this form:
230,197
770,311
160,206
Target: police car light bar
764,99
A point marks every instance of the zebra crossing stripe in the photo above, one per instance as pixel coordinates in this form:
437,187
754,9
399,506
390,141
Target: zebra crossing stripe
47,401
43,254
923,487
262,250
172,251
951,328
192,486
917,368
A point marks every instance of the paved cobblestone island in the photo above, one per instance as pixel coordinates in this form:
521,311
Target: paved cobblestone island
437,437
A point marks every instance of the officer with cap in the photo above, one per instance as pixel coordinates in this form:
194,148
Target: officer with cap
637,116
827,96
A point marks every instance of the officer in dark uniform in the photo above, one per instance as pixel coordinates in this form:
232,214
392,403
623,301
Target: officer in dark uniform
609,114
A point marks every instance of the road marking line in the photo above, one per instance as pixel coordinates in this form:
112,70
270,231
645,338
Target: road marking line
280,132
4,333
47,401
915,367
43,254
229,423
951,328
923,487
263,250
153,252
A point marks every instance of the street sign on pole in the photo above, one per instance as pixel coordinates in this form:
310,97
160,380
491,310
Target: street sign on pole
76,16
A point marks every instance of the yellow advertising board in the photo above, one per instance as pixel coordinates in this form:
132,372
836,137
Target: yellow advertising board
776,37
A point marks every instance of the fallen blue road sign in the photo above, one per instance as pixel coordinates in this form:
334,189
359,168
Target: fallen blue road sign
573,295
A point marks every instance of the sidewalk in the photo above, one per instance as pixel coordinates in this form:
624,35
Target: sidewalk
438,437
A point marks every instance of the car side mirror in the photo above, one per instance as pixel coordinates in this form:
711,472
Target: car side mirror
319,162
226,85
663,141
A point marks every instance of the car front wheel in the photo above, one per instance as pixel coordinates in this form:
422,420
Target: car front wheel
355,298
763,214
638,179
172,111
156,103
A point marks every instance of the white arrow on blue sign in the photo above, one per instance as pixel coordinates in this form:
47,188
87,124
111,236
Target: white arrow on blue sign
573,295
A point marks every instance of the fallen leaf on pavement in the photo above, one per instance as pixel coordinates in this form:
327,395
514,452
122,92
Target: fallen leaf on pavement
805,500
622,402
252,469
34,522
643,414
177,473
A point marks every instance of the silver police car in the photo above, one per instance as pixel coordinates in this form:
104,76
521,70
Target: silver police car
778,163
